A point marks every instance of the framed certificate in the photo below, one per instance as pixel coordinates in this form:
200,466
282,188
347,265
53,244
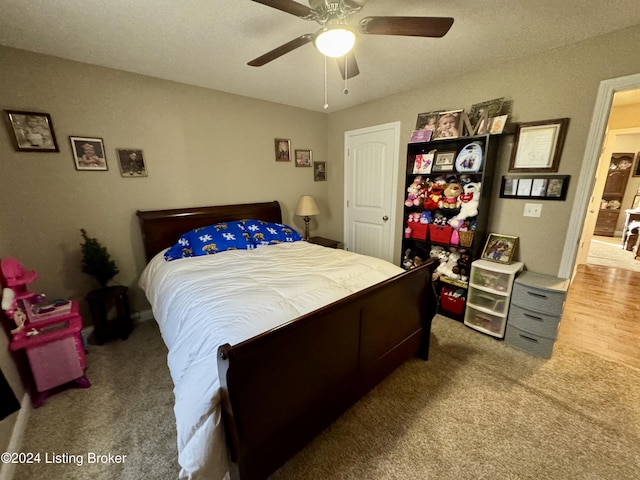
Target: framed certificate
537,146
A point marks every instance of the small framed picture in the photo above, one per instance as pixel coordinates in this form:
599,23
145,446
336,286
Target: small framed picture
427,121
481,114
319,171
541,187
32,131
444,162
131,162
500,248
423,163
449,124
88,153
303,158
283,149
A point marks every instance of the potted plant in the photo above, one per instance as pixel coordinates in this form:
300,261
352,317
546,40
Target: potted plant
96,260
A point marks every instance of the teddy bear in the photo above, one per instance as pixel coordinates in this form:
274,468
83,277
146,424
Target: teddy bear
432,200
469,201
415,194
451,196
463,265
446,268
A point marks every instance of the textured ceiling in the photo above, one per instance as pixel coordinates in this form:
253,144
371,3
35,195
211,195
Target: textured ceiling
208,43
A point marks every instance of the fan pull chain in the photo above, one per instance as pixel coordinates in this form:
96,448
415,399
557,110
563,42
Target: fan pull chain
346,75
326,90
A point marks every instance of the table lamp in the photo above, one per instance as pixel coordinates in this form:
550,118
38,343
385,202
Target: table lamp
306,208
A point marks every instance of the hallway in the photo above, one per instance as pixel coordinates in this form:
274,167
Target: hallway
602,312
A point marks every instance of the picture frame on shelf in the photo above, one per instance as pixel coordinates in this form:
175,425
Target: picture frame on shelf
423,163
537,146
541,187
420,136
88,153
480,115
427,120
131,162
500,248
31,131
304,158
444,162
319,171
449,124
497,124
282,149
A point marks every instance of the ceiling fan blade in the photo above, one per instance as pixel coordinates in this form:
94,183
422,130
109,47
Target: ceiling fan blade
281,50
288,6
408,26
352,65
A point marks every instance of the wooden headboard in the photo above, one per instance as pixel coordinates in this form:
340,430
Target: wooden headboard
162,228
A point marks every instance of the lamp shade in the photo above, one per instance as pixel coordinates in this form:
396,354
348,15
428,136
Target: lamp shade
335,41
307,206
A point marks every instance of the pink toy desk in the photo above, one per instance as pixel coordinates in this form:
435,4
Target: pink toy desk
55,352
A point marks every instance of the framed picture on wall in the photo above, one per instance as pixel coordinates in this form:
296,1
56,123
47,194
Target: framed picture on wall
283,149
537,146
31,131
319,171
131,162
88,153
303,158
636,169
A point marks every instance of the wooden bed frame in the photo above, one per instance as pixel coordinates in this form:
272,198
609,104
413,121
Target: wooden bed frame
281,388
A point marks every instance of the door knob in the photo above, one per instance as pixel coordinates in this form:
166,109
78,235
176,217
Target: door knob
385,218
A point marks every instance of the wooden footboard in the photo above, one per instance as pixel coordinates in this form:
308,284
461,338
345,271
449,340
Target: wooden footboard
282,388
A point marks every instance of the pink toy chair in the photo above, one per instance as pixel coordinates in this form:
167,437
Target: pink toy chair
17,278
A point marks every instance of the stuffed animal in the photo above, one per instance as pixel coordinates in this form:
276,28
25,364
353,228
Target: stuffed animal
462,267
432,200
469,201
439,219
415,195
425,217
451,196
446,268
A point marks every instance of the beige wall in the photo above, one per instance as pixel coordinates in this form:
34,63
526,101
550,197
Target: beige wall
202,147
560,83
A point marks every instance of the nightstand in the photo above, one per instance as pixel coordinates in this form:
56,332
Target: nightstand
325,242
101,302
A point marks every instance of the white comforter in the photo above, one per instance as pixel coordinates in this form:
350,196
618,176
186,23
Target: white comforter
203,302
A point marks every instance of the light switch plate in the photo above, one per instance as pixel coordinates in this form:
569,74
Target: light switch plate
532,209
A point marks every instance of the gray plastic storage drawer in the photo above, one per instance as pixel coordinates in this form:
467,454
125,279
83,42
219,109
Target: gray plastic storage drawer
535,322
538,299
529,342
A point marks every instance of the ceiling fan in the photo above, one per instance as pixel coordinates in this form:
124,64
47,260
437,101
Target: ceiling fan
336,38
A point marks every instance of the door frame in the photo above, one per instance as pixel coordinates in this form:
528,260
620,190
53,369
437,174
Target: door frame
589,166
395,126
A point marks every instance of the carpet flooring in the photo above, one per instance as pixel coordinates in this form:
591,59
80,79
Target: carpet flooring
608,251
478,409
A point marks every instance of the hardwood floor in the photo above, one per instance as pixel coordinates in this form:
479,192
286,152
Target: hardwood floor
602,314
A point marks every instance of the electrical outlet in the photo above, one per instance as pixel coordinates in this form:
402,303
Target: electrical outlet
532,209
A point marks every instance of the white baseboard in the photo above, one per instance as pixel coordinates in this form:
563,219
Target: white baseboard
7,470
144,315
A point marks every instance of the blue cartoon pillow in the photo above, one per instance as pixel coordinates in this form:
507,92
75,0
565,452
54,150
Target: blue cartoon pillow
209,240
267,233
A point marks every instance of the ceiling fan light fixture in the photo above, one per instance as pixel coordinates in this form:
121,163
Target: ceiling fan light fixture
335,41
